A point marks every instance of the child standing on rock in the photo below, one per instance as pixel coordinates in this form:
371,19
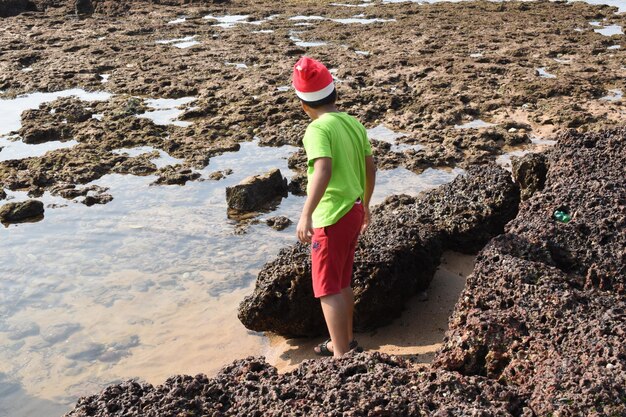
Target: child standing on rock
341,176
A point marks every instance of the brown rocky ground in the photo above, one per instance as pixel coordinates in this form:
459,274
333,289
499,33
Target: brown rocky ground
538,330
422,76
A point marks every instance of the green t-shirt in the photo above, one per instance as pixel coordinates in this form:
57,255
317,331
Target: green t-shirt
342,138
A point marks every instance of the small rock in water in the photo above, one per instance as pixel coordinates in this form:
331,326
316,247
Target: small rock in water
16,212
171,175
218,175
59,332
422,296
23,330
90,200
3,194
278,222
85,351
257,192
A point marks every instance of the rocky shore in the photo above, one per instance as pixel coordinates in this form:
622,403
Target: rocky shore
538,329
395,258
545,75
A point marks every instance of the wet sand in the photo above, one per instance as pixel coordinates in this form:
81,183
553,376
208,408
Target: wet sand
416,335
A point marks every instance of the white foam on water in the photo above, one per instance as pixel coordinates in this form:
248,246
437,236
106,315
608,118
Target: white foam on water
104,78
263,31
304,44
614,95
97,116
364,53
300,17
178,20
168,41
543,73
236,65
283,88
20,150
351,5
610,30
27,69
476,55
166,111
361,20
614,47
474,124
11,109
188,44
562,61
160,161
228,21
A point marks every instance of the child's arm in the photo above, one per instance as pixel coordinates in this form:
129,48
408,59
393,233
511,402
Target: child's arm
322,170
370,182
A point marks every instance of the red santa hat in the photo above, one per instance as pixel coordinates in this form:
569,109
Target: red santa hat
312,80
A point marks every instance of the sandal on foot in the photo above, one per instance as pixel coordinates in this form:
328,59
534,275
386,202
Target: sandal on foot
322,348
354,345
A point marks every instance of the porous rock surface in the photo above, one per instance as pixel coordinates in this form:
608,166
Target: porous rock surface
15,212
544,310
396,257
452,74
527,338
256,192
530,172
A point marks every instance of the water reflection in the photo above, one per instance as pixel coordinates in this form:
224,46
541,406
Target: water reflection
147,285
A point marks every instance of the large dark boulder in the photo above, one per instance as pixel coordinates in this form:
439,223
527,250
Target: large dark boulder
14,7
544,310
396,257
257,192
16,212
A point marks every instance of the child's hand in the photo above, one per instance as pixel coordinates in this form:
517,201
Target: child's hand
304,231
366,219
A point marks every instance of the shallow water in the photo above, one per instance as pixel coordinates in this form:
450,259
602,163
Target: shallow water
182,43
543,73
474,124
537,144
384,134
304,44
161,161
10,110
166,111
610,30
227,21
20,150
145,286
614,95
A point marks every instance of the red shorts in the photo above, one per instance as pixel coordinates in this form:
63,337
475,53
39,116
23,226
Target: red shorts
332,253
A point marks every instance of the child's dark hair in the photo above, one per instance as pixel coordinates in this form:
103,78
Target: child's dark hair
330,99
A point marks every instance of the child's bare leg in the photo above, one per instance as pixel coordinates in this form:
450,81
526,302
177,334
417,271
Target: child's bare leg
336,315
348,296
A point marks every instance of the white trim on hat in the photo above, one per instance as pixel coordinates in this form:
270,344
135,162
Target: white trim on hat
317,95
